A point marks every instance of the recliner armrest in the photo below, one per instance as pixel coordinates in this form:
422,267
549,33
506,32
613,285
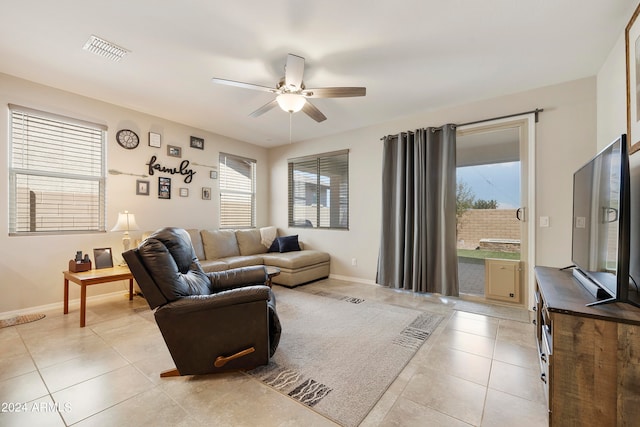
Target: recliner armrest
238,277
226,298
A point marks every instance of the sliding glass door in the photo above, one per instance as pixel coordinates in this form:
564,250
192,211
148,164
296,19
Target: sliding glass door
490,201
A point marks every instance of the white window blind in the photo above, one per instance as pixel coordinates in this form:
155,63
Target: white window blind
56,173
319,191
237,191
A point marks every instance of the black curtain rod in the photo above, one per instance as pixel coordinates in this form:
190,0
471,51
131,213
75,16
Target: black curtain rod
536,112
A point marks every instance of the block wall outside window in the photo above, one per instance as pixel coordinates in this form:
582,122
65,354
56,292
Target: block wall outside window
319,191
56,173
237,191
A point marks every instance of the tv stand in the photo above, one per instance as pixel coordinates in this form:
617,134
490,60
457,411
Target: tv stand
589,356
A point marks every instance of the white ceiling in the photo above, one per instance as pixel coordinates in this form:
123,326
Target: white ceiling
412,55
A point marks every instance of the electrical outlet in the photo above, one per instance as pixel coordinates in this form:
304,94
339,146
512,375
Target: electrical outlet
354,261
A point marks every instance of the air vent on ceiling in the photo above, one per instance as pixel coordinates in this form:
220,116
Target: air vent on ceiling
105,48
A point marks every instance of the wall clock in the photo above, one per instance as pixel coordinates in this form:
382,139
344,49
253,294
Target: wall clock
127,139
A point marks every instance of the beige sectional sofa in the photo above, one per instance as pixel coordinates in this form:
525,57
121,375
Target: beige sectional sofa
220,250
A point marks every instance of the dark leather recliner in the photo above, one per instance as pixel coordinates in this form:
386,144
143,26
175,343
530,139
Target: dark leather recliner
211,322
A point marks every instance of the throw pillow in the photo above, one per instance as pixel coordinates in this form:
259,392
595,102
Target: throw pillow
275,246
288,243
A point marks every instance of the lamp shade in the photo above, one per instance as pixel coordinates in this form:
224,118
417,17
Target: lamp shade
291,102
126,222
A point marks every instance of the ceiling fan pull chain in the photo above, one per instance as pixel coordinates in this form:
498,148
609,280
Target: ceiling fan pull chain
290,119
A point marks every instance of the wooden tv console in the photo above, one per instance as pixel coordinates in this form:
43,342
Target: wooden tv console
589,356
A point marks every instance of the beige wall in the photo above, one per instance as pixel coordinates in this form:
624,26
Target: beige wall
31,266
612,121
566,138
362,239
612,101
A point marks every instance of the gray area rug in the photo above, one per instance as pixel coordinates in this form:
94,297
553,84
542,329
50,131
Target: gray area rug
339,354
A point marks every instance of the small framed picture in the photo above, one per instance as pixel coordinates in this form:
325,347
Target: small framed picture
184,192
154,140
197,143
142,187
164,188
103,258
213,174
174,151
206,193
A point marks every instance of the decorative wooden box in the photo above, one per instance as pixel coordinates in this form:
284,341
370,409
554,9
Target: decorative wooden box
79,266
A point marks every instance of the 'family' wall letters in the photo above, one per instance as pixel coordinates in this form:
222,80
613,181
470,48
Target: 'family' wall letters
182,170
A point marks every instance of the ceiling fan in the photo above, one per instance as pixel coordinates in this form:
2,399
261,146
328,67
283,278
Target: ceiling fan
293,96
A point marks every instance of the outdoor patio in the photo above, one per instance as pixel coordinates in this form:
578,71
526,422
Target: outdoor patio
471,276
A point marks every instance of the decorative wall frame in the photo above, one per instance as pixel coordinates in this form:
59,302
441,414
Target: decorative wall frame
142,187
197,143
632,48
184,192
173,151
164,187
206,193
154,140
102,258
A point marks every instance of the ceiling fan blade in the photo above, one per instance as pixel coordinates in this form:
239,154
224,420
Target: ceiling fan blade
266,107
334,92
312,111
293,72
244,85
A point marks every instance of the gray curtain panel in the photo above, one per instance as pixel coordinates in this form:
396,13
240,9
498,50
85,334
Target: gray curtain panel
418,239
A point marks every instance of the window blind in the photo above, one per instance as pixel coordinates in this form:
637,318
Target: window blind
237,191
319,191
56,173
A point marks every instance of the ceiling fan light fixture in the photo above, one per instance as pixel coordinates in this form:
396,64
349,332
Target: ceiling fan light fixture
291,102
291,93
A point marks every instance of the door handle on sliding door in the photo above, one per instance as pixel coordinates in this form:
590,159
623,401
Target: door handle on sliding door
520,214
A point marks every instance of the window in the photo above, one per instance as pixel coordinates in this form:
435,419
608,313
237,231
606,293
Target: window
237,192
319,191
56,173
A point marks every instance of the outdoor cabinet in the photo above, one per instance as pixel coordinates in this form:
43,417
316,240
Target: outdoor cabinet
503,280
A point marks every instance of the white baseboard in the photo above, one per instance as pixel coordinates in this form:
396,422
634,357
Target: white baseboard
57,305
352,279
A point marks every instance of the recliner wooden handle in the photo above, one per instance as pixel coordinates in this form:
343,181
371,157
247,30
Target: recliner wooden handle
221,360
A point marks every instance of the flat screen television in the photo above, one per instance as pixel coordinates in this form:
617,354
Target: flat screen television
601,224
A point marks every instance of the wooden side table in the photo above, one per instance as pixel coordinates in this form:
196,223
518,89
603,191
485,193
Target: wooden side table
93,277
271,273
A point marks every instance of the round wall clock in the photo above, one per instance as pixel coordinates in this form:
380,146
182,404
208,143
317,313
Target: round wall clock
127,139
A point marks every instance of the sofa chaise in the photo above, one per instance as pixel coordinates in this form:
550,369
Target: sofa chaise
220,250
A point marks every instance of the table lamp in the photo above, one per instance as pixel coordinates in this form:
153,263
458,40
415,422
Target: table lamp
126,222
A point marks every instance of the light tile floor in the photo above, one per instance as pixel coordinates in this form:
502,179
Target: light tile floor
475,370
